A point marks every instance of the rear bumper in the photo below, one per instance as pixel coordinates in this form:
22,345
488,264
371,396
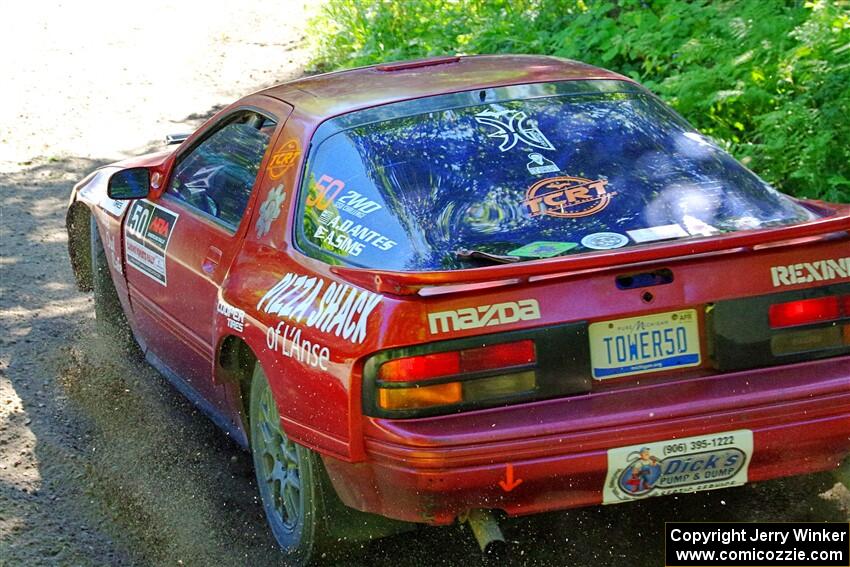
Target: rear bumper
433,469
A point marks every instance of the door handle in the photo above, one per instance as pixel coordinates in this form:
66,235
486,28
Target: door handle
211,260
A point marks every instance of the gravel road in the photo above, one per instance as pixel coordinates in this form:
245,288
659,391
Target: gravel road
101,462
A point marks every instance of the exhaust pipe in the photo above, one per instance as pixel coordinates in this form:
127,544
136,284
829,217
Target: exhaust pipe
486,529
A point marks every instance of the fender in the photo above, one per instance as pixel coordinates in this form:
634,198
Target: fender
309,366
108,215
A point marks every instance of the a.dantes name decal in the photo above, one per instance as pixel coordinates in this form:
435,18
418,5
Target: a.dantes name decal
342,310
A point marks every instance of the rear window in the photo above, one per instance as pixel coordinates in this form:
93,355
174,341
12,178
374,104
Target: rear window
521,173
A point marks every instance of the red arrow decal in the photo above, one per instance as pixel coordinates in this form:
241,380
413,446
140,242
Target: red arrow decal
509,483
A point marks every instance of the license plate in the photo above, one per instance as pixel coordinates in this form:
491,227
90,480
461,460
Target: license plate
691,464
650,343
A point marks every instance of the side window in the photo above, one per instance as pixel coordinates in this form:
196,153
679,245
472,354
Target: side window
217,176
345,216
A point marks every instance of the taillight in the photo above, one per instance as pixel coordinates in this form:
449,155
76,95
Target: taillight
819,315
808,311
446,394
780,328
415,368
457,377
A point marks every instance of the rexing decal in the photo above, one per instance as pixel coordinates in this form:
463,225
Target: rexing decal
567,197
807,272
342,310
483,316
146,235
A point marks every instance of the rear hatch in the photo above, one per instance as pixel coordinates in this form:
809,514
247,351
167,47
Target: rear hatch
562,238
462,346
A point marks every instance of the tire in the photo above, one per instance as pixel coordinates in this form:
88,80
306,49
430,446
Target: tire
109,315
288,478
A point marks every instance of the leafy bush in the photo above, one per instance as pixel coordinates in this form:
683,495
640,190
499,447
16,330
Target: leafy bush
768,79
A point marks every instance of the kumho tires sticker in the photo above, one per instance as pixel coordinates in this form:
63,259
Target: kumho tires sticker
147,233
342,311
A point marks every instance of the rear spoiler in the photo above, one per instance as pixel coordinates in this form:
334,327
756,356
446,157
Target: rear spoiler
456,281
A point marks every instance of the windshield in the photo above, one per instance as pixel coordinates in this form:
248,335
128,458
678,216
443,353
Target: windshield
522,179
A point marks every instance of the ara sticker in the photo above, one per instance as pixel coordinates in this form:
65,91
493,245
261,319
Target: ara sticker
283,159
270,210
656,233
146,236
543,249
512,127
604,240
568,197
539,164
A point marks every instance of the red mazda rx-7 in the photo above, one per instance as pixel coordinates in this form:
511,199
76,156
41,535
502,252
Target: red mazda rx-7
468,287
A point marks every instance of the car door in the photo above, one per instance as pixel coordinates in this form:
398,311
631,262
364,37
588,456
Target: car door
180,246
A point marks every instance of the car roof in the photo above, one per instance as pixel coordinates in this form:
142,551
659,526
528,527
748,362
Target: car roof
322,96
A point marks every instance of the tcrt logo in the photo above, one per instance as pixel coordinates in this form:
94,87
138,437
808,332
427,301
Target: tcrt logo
567,197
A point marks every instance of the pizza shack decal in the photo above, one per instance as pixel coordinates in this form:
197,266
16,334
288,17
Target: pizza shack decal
342,310
567,197
146,237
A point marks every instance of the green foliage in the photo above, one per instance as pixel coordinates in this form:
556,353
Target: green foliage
768,79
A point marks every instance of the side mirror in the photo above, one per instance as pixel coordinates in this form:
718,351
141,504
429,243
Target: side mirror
175,138
133,183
